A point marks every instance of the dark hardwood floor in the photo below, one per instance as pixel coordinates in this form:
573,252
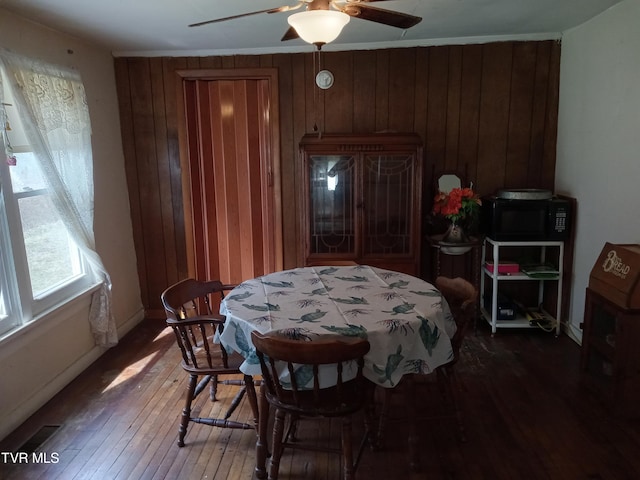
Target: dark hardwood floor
526,415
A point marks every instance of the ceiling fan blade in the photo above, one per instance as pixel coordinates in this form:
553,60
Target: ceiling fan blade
379,15
290,34
284,8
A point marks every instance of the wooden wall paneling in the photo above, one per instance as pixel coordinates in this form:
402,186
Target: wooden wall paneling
293,110
296,102
275,142
520,114
147,155
420,126
421,82
127,126
194,63
437,107
481,134
271,95
402,67
381,97
207,63
169,66
539,114
363,90
470,87
227,62
551,123
267,60
452,159
315,120
494,114
247,61
338,100
164,170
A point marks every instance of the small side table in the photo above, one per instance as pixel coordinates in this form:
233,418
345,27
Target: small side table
461,257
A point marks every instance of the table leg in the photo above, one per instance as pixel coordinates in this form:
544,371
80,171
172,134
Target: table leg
262,448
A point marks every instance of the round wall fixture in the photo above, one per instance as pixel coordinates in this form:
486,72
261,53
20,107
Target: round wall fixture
324,79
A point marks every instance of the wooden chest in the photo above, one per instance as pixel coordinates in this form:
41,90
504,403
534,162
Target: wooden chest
616,275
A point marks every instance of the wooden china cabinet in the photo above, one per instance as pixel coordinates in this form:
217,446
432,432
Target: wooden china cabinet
361,198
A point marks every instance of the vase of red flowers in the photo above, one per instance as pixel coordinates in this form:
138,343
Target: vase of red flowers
460,206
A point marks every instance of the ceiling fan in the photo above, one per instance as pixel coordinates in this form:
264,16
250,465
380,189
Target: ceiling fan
352,8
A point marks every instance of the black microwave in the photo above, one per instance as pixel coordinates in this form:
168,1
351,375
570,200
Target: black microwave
518,220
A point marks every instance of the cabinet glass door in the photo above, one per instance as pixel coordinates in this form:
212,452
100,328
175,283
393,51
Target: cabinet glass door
332,209
388,183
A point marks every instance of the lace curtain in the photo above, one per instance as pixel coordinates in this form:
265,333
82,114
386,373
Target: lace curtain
52,105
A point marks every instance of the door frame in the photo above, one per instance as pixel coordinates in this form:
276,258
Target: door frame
273,201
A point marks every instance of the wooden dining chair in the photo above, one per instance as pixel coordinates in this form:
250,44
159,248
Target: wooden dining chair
189,307
461,296
302,396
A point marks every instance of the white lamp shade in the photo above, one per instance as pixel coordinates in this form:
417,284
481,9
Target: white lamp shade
318,26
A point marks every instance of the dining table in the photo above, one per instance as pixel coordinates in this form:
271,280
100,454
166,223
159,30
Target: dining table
406,320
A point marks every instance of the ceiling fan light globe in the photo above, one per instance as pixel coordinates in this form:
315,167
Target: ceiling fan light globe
318,26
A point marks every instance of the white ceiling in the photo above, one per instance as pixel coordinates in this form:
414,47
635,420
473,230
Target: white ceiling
160,27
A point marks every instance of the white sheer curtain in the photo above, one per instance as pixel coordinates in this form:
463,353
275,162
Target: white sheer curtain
52,105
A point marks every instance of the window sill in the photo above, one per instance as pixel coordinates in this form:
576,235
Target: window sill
51,317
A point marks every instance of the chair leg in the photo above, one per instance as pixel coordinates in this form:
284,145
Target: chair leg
213,388
186,412
235,402
253,399
347,449
278,431
292,430
204,381
263,426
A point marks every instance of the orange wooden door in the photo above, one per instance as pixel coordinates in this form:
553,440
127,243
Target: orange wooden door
231,191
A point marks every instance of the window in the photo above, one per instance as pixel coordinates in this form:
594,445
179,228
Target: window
47,263
9,317
52,256
46,198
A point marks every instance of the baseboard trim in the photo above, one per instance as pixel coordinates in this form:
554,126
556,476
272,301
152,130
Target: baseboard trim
48,391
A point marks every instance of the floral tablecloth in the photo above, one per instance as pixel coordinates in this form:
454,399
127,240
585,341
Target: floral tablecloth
407,322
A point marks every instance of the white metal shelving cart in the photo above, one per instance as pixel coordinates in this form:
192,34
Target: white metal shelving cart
493,277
